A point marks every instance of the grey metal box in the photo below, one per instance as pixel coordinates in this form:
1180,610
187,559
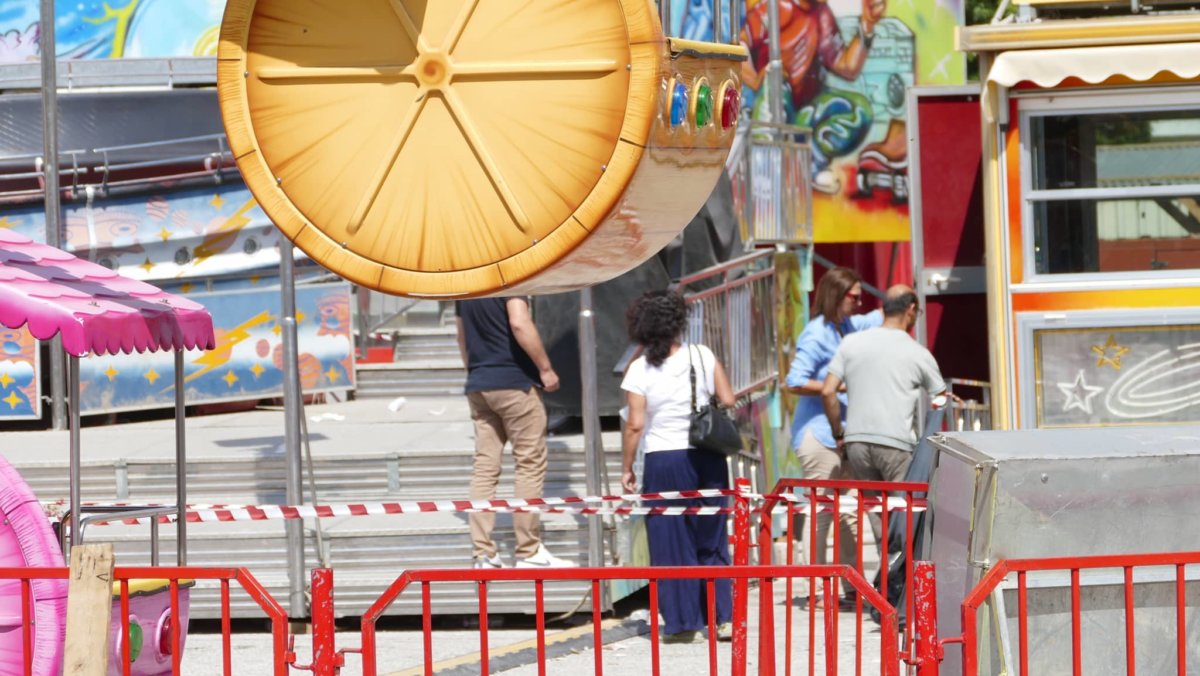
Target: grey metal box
1070,492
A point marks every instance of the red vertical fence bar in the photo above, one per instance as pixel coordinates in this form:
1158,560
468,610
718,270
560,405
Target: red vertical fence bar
325,657
26,625
927,653
1130,669
1076,621
597,636
426,627
126,648
654,665
741,586
539,611
226,630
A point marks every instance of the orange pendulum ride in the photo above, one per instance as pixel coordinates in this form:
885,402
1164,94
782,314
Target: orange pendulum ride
461,148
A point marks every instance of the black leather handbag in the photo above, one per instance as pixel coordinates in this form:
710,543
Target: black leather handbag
711,427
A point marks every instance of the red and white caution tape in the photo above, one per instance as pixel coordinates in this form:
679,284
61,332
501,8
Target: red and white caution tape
583,505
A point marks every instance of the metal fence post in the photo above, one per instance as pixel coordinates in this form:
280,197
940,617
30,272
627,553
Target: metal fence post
325,659
741,586
766,597
924,591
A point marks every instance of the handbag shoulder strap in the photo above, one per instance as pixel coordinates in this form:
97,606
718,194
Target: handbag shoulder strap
692,373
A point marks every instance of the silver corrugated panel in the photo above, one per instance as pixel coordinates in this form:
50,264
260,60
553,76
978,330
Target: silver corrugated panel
367,553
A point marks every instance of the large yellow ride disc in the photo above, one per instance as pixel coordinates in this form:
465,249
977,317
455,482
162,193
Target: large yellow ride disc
437,147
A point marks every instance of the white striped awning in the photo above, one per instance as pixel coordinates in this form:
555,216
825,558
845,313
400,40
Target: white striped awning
1049,67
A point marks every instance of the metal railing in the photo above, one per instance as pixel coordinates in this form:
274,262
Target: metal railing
101,170
772,185
148,72
974,413
1169,621
53,583
731,308
818,500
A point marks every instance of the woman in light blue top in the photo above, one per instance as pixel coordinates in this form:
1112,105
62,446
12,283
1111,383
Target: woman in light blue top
838,296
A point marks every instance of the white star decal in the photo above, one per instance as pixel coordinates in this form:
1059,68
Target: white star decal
1079,394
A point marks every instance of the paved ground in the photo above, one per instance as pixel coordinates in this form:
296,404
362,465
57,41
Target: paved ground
627,649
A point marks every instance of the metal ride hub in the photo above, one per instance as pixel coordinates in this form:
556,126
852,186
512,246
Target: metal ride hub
466,148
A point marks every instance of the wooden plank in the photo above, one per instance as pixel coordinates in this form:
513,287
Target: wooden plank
89,610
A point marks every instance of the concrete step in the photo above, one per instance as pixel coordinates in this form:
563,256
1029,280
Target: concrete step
427,377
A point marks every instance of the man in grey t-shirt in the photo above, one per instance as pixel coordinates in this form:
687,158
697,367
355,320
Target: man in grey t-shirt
885,372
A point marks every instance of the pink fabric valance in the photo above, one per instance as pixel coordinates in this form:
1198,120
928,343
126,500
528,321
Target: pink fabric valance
96,310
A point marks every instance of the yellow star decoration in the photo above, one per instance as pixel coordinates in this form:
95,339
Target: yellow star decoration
332,374
164,234
12,400
299,317
186,287
111,373
1110,353
277,329
5,379
255,279
216,201
230,378
257,369
147,265
151,376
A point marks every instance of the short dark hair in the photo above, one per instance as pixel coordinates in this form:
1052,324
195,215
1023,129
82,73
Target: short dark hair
655,321
899,304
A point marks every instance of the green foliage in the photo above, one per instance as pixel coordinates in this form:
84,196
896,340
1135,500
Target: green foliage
981,11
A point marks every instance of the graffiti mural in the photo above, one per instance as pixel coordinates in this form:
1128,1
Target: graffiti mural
245,365
847,65
19,386
113,29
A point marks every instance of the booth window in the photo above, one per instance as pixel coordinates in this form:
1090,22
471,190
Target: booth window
1113,192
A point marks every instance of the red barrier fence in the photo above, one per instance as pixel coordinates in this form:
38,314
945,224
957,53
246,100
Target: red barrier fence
124,575
540,577
839,497
930,648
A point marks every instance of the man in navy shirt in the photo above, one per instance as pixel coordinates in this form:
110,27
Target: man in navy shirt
507,368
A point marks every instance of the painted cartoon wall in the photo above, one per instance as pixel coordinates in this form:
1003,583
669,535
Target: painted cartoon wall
113,29
849,89
247,362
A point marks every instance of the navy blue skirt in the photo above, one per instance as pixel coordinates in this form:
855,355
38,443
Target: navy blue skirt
688,540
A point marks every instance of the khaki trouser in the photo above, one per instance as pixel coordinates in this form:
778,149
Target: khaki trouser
820,462
501,416
876,462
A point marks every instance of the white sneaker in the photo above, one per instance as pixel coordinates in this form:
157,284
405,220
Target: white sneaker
493,561
543,559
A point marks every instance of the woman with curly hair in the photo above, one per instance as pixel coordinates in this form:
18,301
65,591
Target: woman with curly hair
658,392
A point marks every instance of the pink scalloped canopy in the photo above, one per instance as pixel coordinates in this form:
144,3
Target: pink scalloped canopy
96,310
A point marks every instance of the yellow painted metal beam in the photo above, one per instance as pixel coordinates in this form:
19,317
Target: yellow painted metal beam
1079,33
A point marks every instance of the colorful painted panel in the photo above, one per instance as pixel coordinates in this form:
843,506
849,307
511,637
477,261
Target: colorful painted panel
20,388
1117,375
246,362
161,237
113,29
847,65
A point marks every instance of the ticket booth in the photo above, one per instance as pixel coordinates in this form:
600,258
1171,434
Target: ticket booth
1091,181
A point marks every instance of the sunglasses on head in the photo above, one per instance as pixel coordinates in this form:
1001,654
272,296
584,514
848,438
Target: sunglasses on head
855,296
